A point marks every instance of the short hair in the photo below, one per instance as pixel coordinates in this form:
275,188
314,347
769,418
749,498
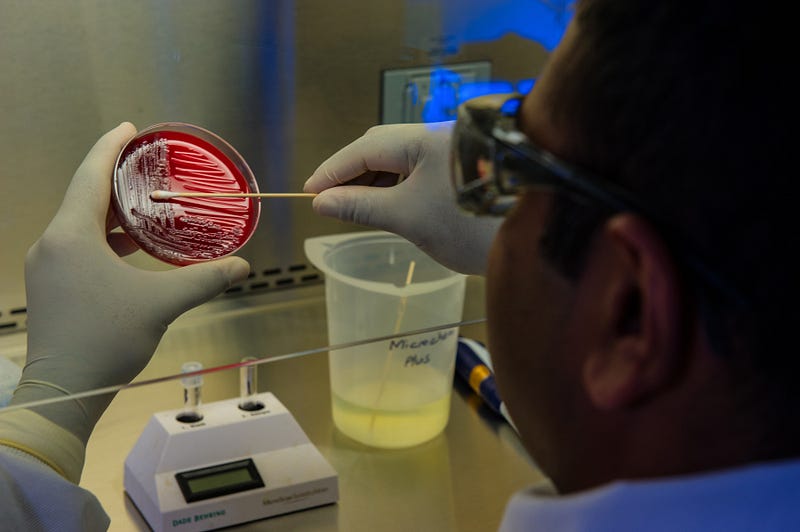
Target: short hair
681,102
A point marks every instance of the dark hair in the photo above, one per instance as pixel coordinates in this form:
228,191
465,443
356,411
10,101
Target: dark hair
686,104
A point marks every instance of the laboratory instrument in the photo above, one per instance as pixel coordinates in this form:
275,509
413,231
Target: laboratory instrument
179,157
394,393
474,366
214,465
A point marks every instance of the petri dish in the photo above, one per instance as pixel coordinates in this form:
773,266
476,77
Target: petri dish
180,157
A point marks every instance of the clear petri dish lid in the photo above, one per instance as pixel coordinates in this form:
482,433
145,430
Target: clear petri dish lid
181,157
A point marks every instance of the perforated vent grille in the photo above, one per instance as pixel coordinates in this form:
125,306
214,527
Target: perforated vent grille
12,319
259,281
277,278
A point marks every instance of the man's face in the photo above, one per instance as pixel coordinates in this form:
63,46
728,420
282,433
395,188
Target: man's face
528,305
531,323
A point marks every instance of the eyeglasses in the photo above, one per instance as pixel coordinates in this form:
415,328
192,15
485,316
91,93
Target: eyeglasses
493,163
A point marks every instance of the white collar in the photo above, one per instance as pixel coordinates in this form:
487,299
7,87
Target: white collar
758,497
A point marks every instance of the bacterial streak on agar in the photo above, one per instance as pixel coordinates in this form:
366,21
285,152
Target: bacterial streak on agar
184,230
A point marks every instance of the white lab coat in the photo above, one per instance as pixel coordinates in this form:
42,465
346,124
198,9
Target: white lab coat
761,497
34,497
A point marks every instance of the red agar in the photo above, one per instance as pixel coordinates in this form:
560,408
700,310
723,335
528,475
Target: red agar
183,230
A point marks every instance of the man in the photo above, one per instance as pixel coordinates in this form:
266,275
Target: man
640,308
641,291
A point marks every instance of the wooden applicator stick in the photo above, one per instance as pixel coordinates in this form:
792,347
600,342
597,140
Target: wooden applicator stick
166,195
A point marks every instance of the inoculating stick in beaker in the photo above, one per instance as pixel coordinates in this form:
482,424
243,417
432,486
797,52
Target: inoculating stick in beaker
387,363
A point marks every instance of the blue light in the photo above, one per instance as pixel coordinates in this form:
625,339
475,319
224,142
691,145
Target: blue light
511,107
524,86
543,21
472,21
443,96
447,92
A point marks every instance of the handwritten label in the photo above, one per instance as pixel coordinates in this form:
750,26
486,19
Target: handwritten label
419,357
404,343
416,360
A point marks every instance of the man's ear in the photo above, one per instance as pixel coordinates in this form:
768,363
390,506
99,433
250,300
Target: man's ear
637,287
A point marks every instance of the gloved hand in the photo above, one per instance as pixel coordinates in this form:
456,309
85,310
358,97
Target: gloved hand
422,208
93,319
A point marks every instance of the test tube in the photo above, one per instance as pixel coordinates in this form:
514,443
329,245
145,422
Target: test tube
248,381
192,387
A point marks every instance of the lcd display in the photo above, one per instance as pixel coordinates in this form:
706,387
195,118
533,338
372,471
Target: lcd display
218,480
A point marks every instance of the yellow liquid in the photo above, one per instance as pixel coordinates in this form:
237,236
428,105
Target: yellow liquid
390,427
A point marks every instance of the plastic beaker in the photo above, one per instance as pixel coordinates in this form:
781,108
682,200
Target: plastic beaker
392,393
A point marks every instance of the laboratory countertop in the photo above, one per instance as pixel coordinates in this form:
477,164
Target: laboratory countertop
460,480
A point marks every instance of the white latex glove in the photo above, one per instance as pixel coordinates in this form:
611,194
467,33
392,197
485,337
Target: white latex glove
422,208
93,319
